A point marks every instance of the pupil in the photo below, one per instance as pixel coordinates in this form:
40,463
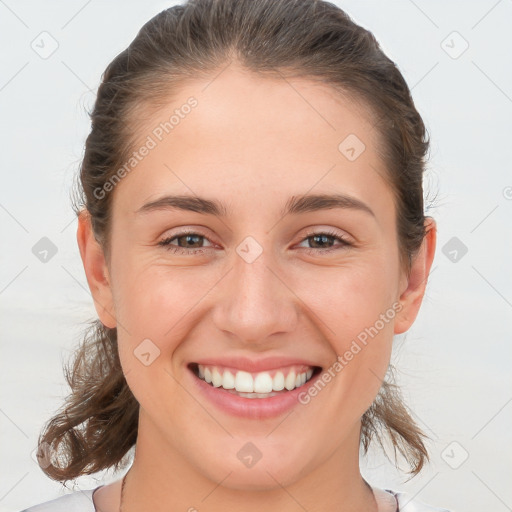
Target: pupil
323,237
189,237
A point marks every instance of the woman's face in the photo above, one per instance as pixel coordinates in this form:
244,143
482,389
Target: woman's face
252,289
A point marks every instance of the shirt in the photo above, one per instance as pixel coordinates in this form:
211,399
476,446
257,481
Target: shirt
81,501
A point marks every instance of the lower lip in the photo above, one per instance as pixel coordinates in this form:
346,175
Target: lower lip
253,408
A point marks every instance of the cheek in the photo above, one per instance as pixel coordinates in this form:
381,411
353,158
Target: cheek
355,299
154,303
162,304
359,316
148,294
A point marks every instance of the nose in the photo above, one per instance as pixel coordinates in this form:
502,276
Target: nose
255,302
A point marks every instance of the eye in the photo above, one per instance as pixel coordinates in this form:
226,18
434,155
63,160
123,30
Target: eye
189,238
322,238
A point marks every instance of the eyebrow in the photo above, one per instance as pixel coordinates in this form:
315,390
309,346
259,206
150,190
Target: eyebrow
295,205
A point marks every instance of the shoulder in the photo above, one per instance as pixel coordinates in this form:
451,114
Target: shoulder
78,501
406,503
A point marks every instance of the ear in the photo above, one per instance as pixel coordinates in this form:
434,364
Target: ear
412,296
96,270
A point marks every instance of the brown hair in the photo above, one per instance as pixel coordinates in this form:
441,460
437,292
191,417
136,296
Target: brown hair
313,39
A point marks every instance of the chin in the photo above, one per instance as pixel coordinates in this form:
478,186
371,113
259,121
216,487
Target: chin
265,472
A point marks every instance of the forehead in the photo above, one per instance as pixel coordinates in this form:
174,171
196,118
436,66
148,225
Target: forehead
251,133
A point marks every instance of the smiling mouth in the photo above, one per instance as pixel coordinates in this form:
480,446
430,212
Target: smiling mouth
263,384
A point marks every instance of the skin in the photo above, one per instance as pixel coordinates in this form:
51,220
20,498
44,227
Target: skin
252,143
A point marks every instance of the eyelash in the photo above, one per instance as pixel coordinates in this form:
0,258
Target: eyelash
166,243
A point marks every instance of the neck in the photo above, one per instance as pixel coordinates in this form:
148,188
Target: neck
161,478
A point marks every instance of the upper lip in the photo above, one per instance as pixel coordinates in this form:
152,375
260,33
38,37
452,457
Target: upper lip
254,365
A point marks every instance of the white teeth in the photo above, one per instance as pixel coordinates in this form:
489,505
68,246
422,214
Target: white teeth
216,378
278,381
289,383
262,385
228,381
244,382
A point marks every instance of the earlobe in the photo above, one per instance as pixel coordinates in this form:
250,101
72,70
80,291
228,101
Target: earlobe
96,270
412,297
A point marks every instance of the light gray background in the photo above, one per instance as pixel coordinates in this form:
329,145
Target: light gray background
454,363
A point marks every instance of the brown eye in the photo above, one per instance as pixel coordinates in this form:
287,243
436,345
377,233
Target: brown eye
187,240
322,242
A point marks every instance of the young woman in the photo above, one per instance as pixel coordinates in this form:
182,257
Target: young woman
252,230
